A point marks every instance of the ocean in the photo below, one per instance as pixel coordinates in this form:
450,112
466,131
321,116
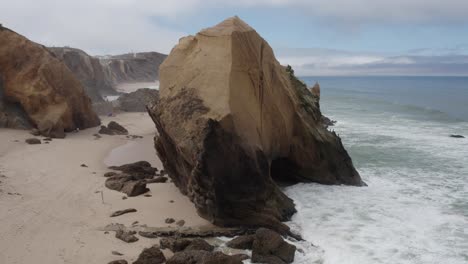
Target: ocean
415,207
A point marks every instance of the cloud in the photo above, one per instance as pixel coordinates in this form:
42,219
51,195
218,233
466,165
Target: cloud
318,62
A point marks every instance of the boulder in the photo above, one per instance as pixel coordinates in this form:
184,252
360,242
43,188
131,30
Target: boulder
232,122
180,244
152,255
119,130
40,88
202,257
137,101
241,242
457,136
269,247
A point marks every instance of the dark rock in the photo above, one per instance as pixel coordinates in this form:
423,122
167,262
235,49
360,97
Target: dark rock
117,128
169,220
152,255
121,212
457,136
199,244
126,235
137,101
134,188
106,131
33,141
120,261
110,174
139,169
269,247
174,244
241,257
202,257
180,223
327,122
47,139
84,166
228,157
193,232
148,195
157,180
116,253
242,242
126,184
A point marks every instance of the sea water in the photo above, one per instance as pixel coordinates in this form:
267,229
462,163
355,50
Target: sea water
415,207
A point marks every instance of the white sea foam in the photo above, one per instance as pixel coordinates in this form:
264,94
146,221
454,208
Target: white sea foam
415,209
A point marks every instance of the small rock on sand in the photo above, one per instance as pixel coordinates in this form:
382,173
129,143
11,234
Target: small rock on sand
121,212
84,165
169,220
126,236
116,253
33,141
180,223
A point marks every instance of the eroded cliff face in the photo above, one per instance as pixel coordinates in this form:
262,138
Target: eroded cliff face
133,67
42,86
88,70
233,122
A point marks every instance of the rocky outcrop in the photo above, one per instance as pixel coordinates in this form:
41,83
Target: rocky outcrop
232,122
133,67
203,257
88,70
41,87
152,255
138,100
113,128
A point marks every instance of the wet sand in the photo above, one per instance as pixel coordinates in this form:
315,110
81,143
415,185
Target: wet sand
55,208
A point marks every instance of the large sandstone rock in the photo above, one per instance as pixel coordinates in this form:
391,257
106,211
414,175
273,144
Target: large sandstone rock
133,67
42,87
88,70
232,121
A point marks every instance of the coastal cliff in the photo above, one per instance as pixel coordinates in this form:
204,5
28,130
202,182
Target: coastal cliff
233,123
133,67
39,90
88,70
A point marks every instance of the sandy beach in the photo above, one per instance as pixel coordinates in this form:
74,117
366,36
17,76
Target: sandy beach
51,208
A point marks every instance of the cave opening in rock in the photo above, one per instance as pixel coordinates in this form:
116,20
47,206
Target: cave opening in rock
284,171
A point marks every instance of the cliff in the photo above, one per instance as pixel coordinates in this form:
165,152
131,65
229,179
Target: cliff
233,123
88,70
133,67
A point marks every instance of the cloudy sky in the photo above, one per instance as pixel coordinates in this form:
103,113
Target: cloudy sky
334,37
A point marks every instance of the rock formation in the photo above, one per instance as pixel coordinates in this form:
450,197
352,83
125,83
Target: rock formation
233,122
88,70
42,86
133,67
137,101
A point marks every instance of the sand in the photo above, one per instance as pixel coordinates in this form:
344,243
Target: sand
55,208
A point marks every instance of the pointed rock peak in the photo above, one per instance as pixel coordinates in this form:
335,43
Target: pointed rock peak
227,27
316,89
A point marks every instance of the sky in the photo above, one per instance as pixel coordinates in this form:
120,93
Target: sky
316,37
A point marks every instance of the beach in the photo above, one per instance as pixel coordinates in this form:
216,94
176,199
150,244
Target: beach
52,208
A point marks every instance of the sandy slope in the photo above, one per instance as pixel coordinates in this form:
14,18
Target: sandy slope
55,215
